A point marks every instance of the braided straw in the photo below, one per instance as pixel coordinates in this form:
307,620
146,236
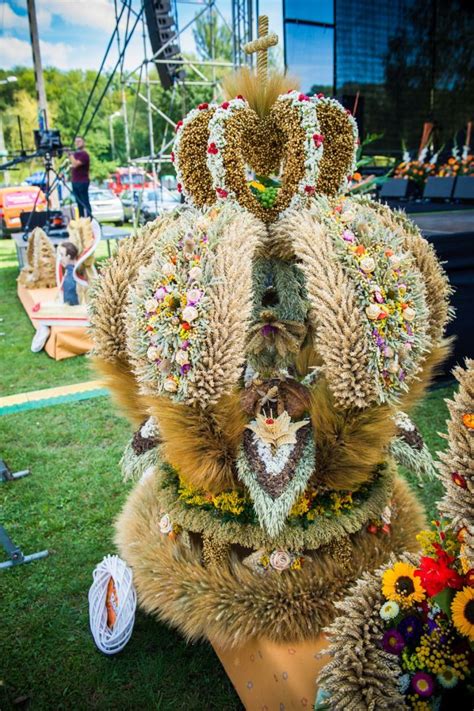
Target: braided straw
261,46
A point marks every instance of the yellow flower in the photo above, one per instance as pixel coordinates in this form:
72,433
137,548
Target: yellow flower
258,186
462,609
400,584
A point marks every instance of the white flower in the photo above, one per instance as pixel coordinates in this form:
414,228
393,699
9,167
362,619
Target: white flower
165,524
149,429
195,274
190,313
373,311
389,610
367,264
280,560
395,260
153,353
165,365
386,515
150,305
409,313
181,357
168,269
193,296
170,385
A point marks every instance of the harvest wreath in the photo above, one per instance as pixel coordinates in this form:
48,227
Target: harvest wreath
273,343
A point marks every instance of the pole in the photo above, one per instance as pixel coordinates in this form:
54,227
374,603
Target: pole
3,153
53,200
37,65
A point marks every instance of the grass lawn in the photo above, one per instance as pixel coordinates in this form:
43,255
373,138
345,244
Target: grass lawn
68,504
22,370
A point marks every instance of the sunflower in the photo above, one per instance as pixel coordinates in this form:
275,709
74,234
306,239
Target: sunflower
462,608
400,584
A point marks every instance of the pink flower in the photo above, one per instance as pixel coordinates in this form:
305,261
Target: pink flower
193,296
280,560
303,97
348,236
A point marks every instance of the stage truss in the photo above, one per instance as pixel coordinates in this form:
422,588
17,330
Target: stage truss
139,82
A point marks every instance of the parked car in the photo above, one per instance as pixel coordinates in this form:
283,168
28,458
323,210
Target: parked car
106,207
15,200
148,204
124,179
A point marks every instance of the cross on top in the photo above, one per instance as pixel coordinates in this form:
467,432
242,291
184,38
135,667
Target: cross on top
261,46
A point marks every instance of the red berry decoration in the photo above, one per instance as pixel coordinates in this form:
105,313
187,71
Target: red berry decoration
225,105
221,192
178,126
172,156
179,188
318,138
303,97
201,107
309,189
212,149
459,480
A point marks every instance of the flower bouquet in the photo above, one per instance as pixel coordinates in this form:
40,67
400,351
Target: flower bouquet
428,617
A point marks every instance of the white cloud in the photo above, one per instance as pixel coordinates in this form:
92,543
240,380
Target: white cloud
14,52
11,21
96,14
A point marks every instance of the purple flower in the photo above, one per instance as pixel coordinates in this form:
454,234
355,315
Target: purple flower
422,684
348,236
185,368
379,341
378,297
409,330
268,330
393,641
411,628
401,375
185,345
160,293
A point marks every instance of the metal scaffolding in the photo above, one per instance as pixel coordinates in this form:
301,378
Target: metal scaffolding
139,82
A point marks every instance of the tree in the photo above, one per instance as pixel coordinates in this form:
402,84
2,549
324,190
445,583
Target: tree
210,34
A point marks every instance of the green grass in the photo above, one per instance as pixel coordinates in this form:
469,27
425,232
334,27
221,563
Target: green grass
47,658
21,369
68,505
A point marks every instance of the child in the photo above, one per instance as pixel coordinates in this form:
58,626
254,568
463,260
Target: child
68,256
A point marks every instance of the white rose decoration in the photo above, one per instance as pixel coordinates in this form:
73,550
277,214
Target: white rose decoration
409,314
182,357
165,524
168,269
153,353
367,264
190,313
170,385
280,560
150,305
195,274
373,311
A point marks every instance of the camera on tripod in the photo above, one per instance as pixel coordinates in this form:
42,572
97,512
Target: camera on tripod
48,141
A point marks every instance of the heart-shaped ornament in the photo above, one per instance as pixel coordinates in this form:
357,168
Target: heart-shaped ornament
275,480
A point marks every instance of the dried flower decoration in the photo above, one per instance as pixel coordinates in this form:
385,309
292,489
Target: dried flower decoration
276,431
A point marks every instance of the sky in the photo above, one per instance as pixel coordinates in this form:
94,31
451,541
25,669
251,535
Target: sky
74,33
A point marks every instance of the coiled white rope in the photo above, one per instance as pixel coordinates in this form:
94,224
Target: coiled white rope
112,605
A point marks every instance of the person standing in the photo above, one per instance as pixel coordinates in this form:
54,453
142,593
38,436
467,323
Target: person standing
80,177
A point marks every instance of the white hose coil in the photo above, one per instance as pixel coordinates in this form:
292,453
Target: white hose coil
111,640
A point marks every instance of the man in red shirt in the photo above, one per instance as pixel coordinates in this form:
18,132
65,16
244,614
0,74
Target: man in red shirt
80,177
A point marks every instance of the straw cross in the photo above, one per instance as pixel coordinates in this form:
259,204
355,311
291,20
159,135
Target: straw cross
261,46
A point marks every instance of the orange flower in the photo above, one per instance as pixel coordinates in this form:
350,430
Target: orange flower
360,249
357,177
468,420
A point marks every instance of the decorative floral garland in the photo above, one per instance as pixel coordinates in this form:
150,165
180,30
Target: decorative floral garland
217,143
389,288
169,309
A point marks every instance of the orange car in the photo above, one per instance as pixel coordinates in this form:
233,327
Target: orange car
14,201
